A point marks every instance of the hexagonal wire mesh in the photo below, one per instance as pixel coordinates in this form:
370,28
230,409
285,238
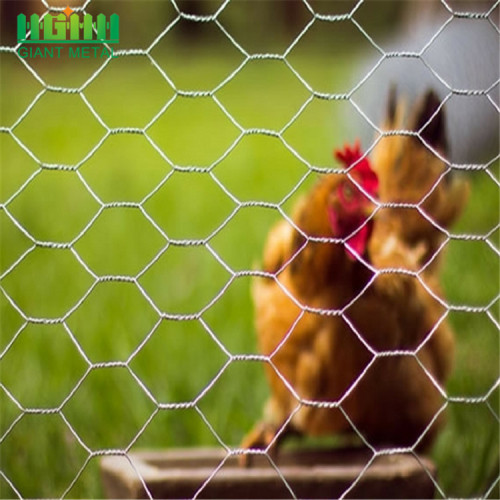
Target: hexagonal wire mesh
88,270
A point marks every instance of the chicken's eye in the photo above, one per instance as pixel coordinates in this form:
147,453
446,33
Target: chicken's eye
348,192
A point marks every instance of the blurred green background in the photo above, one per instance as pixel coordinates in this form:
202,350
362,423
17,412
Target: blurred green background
181,177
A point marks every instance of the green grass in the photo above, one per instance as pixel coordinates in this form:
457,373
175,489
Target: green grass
40,454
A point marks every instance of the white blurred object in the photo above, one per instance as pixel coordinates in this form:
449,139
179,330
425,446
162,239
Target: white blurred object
459,59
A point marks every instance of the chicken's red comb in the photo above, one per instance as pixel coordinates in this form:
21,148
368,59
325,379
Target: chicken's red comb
353,155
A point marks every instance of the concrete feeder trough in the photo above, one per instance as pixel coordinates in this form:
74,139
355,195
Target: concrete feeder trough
182,473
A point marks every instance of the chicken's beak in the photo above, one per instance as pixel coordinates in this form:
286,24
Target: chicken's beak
368,209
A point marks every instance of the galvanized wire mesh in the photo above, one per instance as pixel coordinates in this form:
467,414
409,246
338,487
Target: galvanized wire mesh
313,94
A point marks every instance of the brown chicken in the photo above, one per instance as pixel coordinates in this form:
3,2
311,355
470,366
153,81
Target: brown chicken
411,171
352,349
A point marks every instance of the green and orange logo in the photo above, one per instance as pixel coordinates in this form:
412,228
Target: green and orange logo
67,27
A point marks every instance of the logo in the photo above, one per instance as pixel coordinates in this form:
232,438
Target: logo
67,27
